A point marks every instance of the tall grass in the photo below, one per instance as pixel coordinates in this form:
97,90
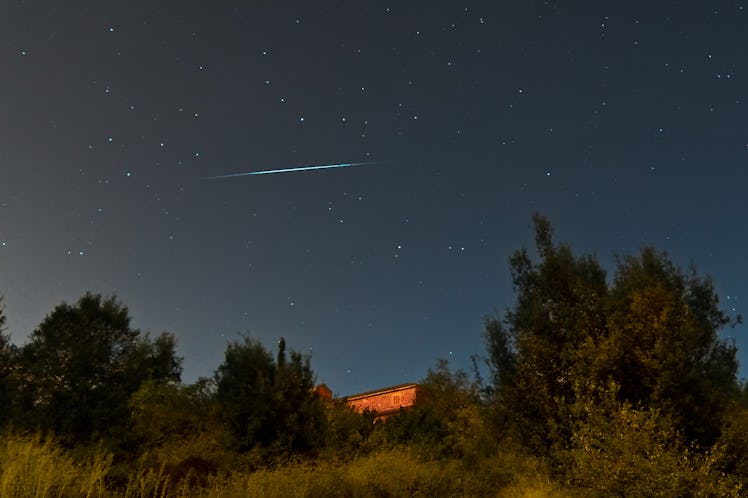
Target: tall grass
149,483
32,467
36,467
391,472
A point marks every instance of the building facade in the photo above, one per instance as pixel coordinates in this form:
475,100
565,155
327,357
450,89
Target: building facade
385,401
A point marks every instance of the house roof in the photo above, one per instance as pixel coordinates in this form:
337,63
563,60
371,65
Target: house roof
384,390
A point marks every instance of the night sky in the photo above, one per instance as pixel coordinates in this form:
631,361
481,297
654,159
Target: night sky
626,123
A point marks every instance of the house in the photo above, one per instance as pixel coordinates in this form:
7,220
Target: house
386,401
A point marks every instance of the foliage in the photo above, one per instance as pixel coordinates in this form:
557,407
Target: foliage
535,349
447,419
268,403
618,449
167,412
653,332
8,379
347,431
598,387
178,431
662,346
82,364
730,453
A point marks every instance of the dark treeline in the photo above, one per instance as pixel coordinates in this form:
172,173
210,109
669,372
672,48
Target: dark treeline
596,386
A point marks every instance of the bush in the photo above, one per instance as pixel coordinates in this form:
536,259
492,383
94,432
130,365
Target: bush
618,449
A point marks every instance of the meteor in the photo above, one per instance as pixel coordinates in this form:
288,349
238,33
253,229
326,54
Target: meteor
290,170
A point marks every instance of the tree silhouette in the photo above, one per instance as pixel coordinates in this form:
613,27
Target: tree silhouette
83,363
651,334
268,403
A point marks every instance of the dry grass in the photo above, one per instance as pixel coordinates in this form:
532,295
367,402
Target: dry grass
394,472
37,467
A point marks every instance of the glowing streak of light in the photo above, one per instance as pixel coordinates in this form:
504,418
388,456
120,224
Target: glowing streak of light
290,170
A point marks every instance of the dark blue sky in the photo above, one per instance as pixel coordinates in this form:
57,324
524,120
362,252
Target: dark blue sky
623,122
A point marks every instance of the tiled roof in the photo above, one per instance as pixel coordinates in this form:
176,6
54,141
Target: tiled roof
383,390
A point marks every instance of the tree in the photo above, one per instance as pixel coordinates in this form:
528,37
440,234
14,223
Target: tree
82,364
300,412
2,316
663,347
534,351
653,333
8,353
267,403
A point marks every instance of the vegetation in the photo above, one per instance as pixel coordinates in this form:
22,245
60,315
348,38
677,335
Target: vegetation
266,403
598,386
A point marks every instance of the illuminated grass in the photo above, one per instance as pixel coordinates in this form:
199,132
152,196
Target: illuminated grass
37,467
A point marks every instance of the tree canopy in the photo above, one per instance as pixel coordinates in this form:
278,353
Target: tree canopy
267,402
82,364
651,334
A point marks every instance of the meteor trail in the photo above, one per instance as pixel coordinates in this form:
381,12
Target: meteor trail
290,170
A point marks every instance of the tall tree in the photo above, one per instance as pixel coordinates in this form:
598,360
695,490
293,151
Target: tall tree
244,390
534,349
652,333
268,403
82,364
663,347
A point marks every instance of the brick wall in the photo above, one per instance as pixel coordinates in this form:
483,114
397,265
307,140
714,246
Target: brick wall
385,401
